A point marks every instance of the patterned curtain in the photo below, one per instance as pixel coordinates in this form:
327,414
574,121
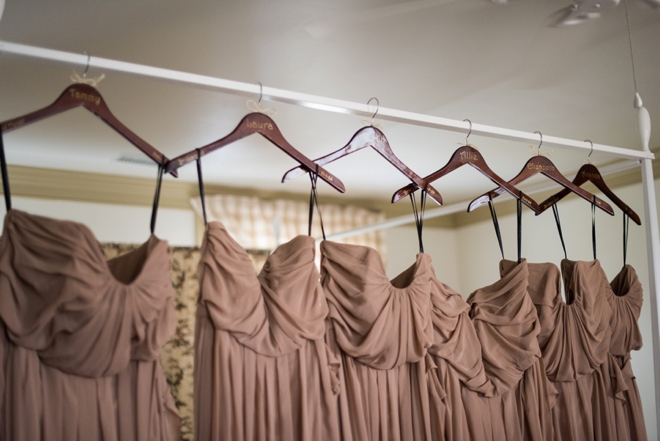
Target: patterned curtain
259,224
178,354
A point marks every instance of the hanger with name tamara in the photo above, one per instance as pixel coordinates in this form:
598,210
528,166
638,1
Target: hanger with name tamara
88,97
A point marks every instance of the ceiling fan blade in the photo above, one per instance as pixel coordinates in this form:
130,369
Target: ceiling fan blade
571,16
322,28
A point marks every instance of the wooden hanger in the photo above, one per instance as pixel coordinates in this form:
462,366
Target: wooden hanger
369,136
77,95
262,124
470,156
541,164
589,173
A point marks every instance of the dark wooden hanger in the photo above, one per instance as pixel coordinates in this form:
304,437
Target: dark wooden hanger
264,125
369,136
470,156
589,173
541,164
84,95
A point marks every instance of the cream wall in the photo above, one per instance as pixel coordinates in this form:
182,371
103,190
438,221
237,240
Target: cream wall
116,223
478,256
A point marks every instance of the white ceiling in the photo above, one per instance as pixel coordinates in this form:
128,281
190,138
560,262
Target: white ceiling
500,65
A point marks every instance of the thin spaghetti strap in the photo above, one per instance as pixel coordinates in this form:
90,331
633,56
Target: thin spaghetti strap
626,223
419,214
154,210
201,184
314,200
519,216
555,210
496,224
5,176
593,225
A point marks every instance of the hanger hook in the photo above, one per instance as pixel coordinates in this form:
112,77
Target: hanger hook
377,108
89,58
538,149
261,93
591,151
469,131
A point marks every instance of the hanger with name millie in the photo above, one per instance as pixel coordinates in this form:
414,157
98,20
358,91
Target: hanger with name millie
540,164
257,122
369,136
589,173
468,155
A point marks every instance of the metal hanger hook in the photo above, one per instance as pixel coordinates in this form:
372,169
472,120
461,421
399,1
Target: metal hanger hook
377,108
469,131
538,149
261,93
89,58
591,151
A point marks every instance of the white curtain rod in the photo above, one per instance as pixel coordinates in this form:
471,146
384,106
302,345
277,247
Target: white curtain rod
311,101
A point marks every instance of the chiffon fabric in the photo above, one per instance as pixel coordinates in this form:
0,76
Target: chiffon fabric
262,368
507,327
456,353
80,336
575,339
381,330
625,300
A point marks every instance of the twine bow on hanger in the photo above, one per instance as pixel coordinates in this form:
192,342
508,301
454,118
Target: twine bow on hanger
537,150
256,107
76,78
84,80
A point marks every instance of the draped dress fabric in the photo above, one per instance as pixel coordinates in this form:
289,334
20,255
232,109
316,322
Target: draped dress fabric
507,326
80,336
456,353
575,341
381,330
262,368
625,300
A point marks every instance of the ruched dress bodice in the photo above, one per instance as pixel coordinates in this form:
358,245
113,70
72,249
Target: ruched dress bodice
262,369
81,335
457,356
508,328
381,330
625,299
575,341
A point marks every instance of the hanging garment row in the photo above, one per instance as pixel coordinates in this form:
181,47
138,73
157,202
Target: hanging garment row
292,353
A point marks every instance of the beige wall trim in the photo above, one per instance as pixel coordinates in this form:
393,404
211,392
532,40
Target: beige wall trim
45,183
